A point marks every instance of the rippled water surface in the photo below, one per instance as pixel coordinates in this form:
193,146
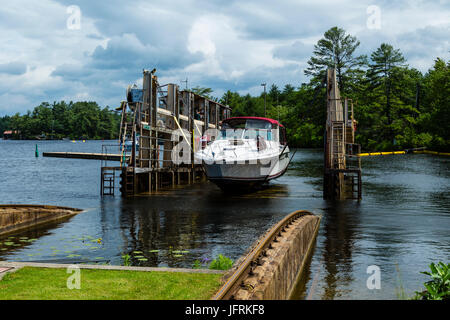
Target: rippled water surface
401,225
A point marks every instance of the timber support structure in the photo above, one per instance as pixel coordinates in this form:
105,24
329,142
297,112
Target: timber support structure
155,121
342,163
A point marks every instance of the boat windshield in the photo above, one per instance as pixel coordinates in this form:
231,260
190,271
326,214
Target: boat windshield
233,134
246,129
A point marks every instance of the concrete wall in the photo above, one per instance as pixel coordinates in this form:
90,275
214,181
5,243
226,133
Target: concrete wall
17,217
276,277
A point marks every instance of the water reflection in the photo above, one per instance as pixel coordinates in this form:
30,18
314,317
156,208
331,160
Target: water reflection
339,231
26,239
178,228
400,225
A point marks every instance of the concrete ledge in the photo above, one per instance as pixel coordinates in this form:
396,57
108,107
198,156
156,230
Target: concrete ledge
18,265
15,217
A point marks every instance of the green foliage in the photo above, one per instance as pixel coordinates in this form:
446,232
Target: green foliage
386,78
4,124
307,135
79,120
126,260
205,92
438,288
221,263
392,106
50,284
197,264
335,50
436,104
397,107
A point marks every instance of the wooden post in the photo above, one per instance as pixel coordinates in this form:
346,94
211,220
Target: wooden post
101,181
149,181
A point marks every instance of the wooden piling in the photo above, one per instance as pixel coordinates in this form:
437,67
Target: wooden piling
342,176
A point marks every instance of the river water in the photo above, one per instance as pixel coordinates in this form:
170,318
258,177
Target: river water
401,225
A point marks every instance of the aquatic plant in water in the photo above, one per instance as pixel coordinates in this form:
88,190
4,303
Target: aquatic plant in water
399,290
197,264
126,261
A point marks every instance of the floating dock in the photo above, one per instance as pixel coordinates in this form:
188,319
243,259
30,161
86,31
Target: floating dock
83,155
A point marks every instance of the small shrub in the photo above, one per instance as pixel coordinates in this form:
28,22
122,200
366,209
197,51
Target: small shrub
196,265
126,260
221,263
438,288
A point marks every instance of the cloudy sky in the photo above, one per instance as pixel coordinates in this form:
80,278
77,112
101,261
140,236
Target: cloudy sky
49,52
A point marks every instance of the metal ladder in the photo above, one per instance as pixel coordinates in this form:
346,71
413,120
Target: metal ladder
129,182
108,178
338,144
126,130
354,184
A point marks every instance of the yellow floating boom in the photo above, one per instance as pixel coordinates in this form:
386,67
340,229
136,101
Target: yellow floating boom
402,152
380,153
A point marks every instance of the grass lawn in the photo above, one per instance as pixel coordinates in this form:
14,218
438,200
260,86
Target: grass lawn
31,283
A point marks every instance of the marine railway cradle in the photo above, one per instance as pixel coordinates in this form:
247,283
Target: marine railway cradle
274,264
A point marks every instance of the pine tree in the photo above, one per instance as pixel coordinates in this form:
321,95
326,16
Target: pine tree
384,75
335,50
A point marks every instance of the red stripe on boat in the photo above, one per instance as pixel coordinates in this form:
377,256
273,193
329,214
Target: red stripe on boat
255,118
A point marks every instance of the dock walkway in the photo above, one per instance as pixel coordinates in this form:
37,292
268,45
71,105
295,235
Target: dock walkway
83,155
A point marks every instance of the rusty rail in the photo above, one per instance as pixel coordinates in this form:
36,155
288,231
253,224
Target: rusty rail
253,258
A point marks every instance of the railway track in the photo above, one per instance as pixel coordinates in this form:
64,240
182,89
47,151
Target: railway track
255,257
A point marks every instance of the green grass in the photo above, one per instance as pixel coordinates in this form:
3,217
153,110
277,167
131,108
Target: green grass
31,283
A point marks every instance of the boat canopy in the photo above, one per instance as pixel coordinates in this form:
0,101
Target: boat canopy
251,122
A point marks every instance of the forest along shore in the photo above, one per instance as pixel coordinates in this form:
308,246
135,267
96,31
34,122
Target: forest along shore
397,106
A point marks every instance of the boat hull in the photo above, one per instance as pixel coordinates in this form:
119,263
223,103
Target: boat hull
229,175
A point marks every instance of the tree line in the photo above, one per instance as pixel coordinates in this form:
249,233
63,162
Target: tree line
79,120
396,106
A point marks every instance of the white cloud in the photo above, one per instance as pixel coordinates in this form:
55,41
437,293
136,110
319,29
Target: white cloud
35,34
223,45
227,53
201,37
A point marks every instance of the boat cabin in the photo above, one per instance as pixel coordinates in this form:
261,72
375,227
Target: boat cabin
253,128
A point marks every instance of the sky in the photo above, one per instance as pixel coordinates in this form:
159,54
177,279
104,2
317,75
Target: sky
80,50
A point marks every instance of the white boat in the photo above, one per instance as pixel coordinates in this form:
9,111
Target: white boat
247,151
